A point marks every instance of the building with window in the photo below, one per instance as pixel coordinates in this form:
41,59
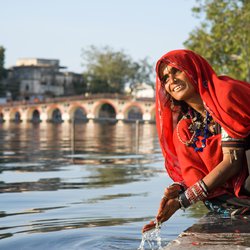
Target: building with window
36,78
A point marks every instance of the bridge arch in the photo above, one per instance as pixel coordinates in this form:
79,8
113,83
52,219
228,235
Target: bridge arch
105,110
78,113
133,112
15,116
33,115
55,115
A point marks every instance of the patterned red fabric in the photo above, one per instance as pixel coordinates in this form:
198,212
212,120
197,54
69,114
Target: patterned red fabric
225,98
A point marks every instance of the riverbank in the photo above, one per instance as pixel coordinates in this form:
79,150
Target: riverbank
215,232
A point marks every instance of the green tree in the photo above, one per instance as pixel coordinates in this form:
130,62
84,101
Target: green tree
223,37
107,71
79,87
143,73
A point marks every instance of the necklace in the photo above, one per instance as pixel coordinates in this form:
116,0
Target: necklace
199,127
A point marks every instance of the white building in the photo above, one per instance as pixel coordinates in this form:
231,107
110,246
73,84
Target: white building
141,90
38,78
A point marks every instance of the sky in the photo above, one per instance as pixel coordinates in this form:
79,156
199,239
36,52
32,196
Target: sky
60,29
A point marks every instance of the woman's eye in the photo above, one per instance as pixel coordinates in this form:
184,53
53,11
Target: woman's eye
175,71
165,78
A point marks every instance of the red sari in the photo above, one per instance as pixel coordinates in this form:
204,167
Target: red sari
226,99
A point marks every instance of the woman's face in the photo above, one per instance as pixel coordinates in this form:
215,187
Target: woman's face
176,83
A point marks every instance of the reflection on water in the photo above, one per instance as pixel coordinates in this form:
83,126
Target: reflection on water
85,186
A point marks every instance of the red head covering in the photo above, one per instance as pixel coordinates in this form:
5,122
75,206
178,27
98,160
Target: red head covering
225,98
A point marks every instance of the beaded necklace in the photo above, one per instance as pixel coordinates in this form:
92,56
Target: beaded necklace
199,127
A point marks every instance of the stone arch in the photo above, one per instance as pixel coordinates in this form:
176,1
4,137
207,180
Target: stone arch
105,110
15,116
33,115
55,115
35,118
133,112
78,114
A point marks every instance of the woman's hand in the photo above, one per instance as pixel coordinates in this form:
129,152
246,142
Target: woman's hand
172,191
166,210
149,226
168,206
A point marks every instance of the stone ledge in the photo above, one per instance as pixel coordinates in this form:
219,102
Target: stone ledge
215,232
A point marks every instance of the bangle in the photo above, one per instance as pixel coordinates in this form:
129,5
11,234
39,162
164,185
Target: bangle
204,187
196,193
184,202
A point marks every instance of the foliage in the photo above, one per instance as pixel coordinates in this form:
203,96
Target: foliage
143,74
223,37
109,71
79,87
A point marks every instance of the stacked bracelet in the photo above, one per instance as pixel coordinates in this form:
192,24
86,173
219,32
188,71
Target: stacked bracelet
197,192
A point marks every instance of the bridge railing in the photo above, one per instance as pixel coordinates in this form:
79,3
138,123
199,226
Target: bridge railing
75,98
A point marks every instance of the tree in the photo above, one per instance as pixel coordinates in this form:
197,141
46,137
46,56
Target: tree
107,71
223,37
143,74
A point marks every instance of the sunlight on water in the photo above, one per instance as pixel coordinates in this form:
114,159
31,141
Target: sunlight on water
93,192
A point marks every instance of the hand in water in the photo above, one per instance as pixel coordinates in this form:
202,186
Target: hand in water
167,209
149,226
168,206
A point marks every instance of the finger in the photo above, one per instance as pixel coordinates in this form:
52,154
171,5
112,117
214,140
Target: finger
160,216
148,227
170,208
163,211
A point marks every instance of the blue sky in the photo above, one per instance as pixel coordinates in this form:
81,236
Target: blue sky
59,29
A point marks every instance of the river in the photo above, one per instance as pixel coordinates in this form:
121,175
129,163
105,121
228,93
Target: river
83,186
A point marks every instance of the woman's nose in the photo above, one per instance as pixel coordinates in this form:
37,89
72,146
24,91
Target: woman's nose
171,79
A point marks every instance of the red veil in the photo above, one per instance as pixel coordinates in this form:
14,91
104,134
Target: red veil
225,98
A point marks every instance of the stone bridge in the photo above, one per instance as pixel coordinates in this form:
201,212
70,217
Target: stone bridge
99,107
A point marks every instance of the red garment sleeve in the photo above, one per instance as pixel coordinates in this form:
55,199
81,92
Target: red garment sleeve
196,165
192,166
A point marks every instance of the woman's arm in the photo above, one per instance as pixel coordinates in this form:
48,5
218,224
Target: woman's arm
231,164
227,168
233,152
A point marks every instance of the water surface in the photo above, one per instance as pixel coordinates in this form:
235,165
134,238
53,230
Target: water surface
87,186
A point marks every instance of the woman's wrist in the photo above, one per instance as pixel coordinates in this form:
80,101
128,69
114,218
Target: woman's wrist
195,193
182,186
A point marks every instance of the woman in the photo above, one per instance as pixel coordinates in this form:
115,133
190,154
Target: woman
203,123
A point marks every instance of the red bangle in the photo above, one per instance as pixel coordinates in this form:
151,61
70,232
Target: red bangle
197,192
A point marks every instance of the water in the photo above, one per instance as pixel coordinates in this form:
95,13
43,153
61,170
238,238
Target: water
82,187
152,238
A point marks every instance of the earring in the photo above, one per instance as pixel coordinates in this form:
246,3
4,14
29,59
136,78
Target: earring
171,103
